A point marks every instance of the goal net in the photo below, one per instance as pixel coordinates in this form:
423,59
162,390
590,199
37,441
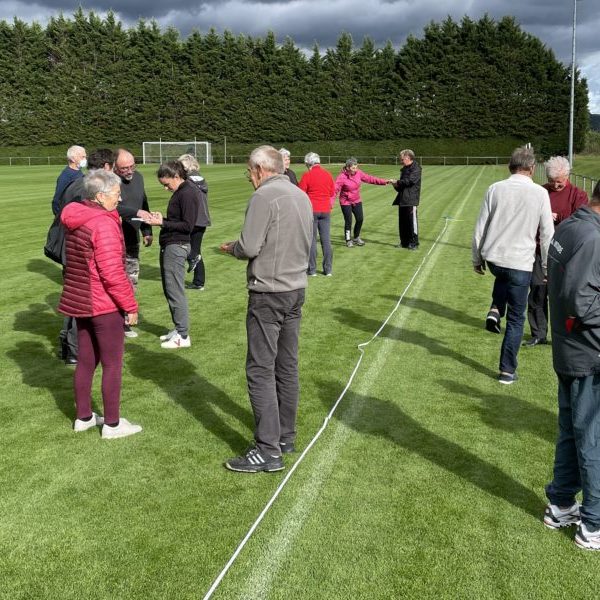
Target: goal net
159,152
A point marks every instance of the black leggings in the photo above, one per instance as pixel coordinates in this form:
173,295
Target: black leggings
195,250
348,210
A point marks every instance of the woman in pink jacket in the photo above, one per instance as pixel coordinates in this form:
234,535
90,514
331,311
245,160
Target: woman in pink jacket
98,294
347,186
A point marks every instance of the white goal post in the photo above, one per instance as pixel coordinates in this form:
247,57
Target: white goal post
159,152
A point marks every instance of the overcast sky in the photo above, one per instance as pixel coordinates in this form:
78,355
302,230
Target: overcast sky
321,21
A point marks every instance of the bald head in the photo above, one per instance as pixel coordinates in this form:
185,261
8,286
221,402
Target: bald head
124,164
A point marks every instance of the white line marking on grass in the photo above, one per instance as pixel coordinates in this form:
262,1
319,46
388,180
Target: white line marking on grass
299,514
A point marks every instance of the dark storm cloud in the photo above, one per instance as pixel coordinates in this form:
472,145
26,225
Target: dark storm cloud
310,21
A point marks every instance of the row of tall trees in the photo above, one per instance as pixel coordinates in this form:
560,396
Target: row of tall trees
88,79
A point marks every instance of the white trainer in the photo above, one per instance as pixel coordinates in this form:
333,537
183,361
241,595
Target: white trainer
95,421
123,429
168,335
177,342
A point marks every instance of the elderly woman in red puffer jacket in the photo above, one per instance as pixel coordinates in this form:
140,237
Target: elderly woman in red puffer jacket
98,294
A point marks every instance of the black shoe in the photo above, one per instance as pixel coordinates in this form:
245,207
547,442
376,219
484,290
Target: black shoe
192,264
507,378
412,247
253,462
71,361
535,341
193,286
287,447
492,322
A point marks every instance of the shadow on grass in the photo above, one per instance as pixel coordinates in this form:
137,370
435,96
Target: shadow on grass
148,271
508,413
383,419
51,270
408,336
42,371
439,310
41,319
179,379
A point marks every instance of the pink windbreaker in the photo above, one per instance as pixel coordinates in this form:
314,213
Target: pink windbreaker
348,185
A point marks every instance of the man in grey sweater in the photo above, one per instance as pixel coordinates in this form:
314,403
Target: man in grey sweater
505,239
275,240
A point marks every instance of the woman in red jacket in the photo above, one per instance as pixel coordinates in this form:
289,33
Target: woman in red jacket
98,294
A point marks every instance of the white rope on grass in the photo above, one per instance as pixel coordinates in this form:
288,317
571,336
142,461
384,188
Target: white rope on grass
328,418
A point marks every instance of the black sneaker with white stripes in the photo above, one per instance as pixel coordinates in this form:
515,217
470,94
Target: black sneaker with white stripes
254,462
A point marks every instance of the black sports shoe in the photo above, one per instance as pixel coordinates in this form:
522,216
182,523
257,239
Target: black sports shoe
192,264
492,322
253,462
287,447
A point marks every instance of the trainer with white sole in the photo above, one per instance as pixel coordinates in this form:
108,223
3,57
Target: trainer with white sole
174,240
574,294
275,240
98,293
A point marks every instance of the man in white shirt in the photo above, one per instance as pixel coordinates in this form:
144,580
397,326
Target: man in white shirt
505,239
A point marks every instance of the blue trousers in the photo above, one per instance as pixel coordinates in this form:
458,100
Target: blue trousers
509,296
577,457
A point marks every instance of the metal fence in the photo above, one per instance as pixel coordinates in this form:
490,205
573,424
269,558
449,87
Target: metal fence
333,159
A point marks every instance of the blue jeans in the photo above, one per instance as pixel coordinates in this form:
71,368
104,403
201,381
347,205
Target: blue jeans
321,225
509,296
577,457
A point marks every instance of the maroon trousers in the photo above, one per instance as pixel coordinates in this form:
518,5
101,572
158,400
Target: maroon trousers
101,340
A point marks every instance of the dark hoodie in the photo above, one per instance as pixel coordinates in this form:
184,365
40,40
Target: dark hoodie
203,219
574,293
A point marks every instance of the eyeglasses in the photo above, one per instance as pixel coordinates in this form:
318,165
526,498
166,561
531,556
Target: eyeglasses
127,168
248,174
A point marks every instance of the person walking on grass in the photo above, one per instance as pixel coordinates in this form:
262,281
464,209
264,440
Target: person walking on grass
98,294
565,199
505,234
275,240
174,240
195,260
574,293
320,187
347,187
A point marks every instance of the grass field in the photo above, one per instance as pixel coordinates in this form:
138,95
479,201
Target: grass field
428,482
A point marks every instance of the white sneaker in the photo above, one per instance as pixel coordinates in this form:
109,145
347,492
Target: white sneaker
555,518
80,425
168,335
177,342
123,429
129,332
589,540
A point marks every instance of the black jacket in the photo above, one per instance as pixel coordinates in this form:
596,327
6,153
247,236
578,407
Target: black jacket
574,293
133,197
182,213
203,219
408,186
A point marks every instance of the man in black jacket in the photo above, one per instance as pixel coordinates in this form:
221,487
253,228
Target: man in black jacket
574,293
134,204
407,200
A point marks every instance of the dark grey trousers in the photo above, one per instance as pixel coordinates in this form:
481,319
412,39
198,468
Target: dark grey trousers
577,456
273,327
321,225
172,271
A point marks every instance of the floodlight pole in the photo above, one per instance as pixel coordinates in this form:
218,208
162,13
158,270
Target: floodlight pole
572,110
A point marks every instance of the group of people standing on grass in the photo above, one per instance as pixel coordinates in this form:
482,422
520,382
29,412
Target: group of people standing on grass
278,239
542,243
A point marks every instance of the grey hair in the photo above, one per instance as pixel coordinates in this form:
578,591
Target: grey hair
351,162
522,159
284,152
99,181
267,158
189,162
312,159
408,153
557,166
74,151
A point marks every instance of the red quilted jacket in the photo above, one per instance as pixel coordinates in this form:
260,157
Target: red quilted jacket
95,282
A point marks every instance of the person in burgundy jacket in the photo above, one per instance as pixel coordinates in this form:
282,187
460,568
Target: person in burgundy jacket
347,187
565,199
318,184
98,294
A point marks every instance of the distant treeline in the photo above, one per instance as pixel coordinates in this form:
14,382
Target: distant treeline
89,80
595,122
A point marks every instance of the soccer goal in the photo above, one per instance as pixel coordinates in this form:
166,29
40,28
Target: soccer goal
158,152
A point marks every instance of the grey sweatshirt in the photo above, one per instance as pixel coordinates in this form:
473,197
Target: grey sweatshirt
276,237
511,213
